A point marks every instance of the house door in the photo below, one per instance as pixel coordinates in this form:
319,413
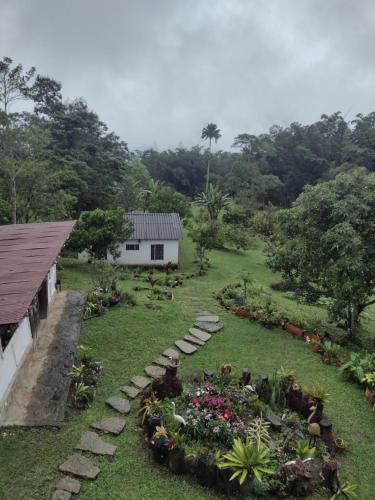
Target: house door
43,300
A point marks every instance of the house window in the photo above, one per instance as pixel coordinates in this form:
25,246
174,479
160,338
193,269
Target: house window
132,246
157,252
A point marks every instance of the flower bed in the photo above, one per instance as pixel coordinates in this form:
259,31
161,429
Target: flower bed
265,437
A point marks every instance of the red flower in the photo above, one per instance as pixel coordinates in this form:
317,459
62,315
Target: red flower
195,401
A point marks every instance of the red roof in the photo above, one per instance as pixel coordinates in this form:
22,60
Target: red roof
27,252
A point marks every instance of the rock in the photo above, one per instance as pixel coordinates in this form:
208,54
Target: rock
61,495
208,318
185,347
119,404
273,420
110,425
162,361
193,340
155,371
80,466
130,391
91,441
141,382
209,327
69,484
171,353
200,334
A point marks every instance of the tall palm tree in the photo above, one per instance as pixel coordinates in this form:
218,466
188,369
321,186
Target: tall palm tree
210,131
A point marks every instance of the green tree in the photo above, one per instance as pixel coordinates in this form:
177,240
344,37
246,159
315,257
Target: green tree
166,200
214,201
327,240
100,232
15,84
209,132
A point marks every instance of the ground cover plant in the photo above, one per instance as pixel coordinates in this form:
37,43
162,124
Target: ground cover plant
127,338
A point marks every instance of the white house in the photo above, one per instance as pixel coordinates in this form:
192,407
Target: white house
154,242
28,255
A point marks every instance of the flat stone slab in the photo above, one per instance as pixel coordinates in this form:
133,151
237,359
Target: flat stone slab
110,425
163,361
200,334
209,327
155,372
69,484
130,391
193,340
80,466
171,353
91,441
61,495
185,347
119,404
208,318
141,382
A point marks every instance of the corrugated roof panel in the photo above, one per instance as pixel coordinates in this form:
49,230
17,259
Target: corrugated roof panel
27,251
155,226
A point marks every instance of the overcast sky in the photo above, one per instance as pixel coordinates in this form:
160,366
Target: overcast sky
156,71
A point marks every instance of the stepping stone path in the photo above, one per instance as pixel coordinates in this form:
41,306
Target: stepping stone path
193,340
80,466
141,382
209,327
61,495
200,334
130,391
69,484
91,441
208,318
162,361
119,404
155,372
171,353
110,425
185,347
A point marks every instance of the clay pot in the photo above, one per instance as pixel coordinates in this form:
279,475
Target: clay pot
314,347
326,358
296,331
242,312
337,362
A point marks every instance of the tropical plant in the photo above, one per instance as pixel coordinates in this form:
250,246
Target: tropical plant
258,431
81,392
246,459
369,379
210,131
77,372
151,406
317,392
214,201
304,451
346,490
357,366
331,348
85,353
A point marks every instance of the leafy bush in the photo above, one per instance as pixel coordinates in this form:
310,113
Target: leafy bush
357,366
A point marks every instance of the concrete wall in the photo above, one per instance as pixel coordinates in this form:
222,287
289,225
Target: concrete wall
142,257
13,355
52,276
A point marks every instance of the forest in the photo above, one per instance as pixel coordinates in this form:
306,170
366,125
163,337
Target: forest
58,159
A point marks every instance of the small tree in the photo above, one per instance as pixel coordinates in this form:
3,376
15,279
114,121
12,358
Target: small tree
327,240
100,232
214,201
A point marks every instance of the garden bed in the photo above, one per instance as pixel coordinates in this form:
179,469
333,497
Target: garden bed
260,435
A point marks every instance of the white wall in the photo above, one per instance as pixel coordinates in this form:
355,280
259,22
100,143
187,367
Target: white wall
52,276
142,257
14,352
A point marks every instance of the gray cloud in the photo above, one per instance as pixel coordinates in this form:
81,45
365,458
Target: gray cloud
156,71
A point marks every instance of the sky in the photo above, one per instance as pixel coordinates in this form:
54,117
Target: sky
157,71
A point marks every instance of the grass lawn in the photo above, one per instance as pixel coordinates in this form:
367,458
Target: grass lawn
126,339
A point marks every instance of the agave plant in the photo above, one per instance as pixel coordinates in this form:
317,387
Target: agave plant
304,451
347,490
246,459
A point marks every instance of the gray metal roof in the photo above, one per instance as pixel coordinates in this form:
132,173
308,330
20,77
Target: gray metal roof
152,226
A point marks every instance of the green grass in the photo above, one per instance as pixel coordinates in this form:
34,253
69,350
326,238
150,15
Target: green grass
126,339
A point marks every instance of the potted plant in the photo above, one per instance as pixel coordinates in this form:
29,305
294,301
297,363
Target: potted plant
331,352
317,394
369,379
159,442
340,445
152,414
296,331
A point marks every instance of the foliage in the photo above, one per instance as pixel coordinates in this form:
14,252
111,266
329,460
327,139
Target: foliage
100,232
337,214
77,372
332,349
346,490
151,406
303,450
357,366
166,200
317,392
81,392
246,459
258,431
214,201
